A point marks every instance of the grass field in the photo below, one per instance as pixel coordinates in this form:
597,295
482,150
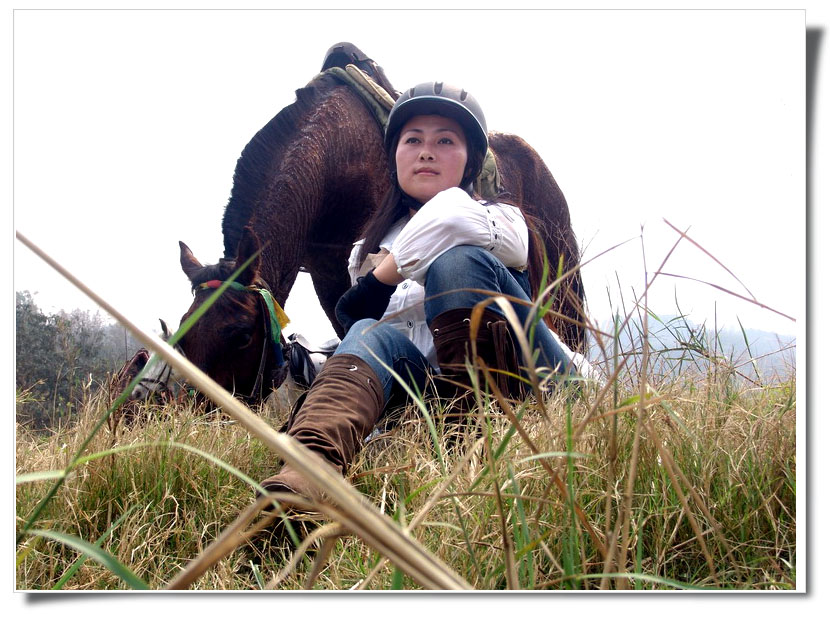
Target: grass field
663,476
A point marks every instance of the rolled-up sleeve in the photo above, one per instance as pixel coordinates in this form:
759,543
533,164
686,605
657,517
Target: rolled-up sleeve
453,218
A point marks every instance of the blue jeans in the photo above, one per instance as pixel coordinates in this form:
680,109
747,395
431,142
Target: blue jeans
456,269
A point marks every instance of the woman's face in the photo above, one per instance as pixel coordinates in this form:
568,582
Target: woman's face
431,156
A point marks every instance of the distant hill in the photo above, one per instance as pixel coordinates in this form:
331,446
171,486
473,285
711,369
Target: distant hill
757,354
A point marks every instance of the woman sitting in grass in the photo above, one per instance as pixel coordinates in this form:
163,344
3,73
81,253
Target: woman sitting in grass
420,267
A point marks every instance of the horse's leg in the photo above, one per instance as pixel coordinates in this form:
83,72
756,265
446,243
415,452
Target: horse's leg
330,281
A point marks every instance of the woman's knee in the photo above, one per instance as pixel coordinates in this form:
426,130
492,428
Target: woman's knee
455,278
460,257
464,266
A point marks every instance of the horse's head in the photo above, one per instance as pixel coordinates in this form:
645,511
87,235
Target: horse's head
159,380
129,371
234,341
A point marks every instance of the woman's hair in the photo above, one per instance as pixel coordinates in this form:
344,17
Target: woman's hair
394,206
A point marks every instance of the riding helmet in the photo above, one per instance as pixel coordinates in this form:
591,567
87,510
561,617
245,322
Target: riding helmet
438,98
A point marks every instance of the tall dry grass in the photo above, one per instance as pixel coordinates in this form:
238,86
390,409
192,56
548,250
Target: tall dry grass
690,485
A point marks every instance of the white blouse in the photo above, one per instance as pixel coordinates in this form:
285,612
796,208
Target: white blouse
449,219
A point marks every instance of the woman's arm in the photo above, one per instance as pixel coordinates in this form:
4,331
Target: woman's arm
387,271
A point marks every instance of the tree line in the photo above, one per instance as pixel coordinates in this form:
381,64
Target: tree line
61,359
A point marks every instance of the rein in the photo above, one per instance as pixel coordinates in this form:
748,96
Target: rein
274,319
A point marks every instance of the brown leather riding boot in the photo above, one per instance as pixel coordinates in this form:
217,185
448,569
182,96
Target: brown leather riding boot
494,344
340,410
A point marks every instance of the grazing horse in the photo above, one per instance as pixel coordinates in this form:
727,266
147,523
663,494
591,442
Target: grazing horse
305,185
160,379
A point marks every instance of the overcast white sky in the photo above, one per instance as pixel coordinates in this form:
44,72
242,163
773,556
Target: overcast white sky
128,125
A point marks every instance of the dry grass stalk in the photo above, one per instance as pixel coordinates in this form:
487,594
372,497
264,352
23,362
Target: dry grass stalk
328,532
228,541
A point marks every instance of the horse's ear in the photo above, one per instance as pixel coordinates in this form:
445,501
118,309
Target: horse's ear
141,357
164,332
248,247
189,262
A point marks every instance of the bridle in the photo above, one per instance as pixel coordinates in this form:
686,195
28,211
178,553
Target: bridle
159,384
274,319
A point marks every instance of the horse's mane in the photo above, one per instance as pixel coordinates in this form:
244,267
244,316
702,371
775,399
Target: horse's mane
254,166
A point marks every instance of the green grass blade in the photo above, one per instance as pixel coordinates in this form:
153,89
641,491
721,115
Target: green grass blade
521,534
260,581
502,447
572,545
645,578
638,558
97,554
749,351
397,580
53,474
69,573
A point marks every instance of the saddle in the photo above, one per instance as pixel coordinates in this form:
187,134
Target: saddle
306,360
345,53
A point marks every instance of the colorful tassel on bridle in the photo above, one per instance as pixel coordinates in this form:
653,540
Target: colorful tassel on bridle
277,317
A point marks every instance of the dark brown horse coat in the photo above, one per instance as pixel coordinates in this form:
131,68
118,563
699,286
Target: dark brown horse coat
307,183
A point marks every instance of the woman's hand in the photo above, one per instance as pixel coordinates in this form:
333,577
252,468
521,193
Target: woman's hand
368,298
